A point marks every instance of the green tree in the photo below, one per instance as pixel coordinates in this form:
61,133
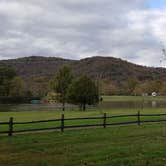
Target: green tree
39,86
131,84
83,91
138,90
17,87
61,82
156,85
152,86
6,75
163,88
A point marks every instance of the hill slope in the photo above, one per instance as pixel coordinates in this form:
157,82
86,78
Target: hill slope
98,67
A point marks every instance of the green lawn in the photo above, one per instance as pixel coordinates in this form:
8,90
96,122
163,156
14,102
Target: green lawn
114,146
130,145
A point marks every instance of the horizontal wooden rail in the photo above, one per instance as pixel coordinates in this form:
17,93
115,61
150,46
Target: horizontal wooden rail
36,129
4,132
40,121
4,123
121,123
86,118
121,116
152,114
153,121
79,126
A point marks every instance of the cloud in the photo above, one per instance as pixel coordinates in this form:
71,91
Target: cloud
77,29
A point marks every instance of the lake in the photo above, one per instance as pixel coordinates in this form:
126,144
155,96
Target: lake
103,105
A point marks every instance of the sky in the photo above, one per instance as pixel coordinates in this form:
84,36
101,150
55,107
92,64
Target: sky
133,30
157,3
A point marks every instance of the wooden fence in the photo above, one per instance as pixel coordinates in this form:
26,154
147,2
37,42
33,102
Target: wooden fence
103,123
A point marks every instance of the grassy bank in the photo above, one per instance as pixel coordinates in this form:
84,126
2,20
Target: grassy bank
129,146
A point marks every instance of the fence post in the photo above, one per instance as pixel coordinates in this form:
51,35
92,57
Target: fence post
138,118
62,122
10,126
104,120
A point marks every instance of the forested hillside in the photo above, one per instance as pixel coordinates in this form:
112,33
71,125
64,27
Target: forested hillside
113,73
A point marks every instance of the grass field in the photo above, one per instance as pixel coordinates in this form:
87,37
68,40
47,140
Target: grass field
130,145
114,146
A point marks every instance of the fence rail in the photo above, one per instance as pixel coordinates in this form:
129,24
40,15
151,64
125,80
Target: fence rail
62,121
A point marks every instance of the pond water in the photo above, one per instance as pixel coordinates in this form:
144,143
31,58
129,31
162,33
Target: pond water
34,107
103,105
132,104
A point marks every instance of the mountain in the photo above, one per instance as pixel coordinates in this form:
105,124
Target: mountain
113,73
107,68
35,66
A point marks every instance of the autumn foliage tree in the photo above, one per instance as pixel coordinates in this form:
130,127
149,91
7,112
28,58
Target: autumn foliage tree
6,76
17,87
131,85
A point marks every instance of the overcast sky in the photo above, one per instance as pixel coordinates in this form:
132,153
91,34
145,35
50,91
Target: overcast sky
133,30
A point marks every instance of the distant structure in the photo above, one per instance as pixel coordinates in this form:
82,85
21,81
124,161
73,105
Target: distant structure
154,94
